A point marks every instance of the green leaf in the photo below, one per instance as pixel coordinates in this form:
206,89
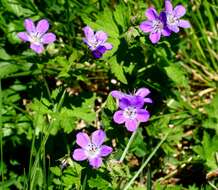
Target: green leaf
4,55
67,120
176,73
138,146
7,68
86,111
207,150
122,15
99,183
117,70
110,103
212,115
56,170
14,6
72,176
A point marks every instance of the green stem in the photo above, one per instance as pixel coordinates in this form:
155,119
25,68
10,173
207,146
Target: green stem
145,163
1,134
84,182
212,185
45,82
42,146
128,145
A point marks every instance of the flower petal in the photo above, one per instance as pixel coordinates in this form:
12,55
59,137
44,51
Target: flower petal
98,137
137,101
146,26
42,26
148,100
163,17
166,32
38,48
95,162
105,150
79,154
23,36
108,46
168,6
184,23
82,139
48,38
89,33
151,14
131,125
101,36
99,52
102,49
154,37
29,25
124,102
179,11
96,54
118,117
142,115
142,92
117,94
174,28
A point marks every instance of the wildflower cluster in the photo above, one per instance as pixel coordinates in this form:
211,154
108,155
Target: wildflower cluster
165,23
131,106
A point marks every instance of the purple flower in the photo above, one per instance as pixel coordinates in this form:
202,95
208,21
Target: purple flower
132,112
96,42
141,92
91,148
155,25
173,16
37,35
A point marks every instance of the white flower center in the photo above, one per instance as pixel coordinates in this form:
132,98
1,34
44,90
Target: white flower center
129,112
94,44
157,26
35,37
172,20
92,150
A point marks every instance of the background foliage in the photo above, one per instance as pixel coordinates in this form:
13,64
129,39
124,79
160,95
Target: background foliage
45,100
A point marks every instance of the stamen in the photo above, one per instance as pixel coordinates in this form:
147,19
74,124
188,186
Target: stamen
172,20
129,112
157,26
92,150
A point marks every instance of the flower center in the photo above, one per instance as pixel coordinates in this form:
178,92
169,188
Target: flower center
172,20
129,112
94,44
35,37
157,26
92,150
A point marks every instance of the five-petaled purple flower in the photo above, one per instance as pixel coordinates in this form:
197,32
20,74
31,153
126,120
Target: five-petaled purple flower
173,16
155,25
164,24
132,112
96,42
37,35
91,148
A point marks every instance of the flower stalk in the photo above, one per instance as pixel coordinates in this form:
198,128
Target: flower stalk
128,145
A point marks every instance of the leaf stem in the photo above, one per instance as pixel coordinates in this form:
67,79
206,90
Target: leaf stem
146,162
1,134
128,145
